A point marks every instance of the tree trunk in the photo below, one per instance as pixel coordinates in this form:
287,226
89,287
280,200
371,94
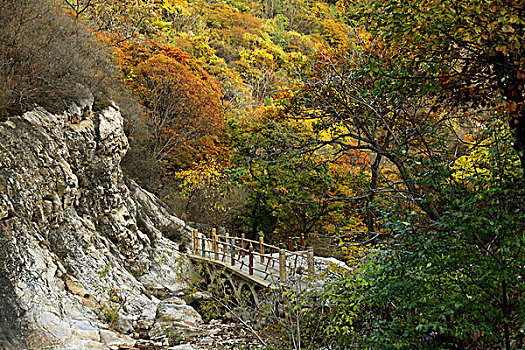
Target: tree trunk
370,222
511,86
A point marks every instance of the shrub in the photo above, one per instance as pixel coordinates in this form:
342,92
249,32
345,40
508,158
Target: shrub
46,58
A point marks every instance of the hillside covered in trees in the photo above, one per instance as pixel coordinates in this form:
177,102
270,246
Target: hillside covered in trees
390,133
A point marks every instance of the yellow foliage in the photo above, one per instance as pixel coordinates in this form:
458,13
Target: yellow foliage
258,56
475,169
199,176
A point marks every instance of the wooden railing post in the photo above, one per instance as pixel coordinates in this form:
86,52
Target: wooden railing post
195,241
203,245
261,248
243,253
232,245
282,265
290,244
311,261
215,244
303,242
250,260
225,246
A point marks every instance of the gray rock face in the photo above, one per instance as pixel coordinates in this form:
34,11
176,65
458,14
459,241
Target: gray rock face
79,252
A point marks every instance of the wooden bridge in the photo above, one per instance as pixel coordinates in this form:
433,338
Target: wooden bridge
256,262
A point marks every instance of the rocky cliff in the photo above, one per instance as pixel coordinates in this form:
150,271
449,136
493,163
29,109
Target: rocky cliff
84,258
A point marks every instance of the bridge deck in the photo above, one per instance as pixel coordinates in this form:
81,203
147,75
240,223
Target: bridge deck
257,278
266,265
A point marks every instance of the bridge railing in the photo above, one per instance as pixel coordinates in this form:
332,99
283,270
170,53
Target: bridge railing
267,261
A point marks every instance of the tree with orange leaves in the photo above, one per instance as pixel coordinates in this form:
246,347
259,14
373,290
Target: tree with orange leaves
183,102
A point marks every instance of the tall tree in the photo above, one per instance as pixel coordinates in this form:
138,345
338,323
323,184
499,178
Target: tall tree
182,101
473,49
427,86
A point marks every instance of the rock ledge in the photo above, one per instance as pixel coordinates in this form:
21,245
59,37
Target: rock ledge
83,261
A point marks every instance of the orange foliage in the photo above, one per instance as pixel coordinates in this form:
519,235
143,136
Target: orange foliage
183,102
221,16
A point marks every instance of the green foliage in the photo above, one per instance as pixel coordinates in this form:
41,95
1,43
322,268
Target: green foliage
345,299
109,309
451,284
173,334
445,188
209,310
469,53
288,196
111,316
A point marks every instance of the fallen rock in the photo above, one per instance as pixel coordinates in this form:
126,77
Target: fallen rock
182,347
175,309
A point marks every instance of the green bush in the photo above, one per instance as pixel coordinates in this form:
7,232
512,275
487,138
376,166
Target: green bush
454,283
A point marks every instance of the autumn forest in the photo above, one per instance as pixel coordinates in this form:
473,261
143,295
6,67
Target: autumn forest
390,133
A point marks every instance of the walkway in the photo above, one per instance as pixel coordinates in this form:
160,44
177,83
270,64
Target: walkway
264,264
